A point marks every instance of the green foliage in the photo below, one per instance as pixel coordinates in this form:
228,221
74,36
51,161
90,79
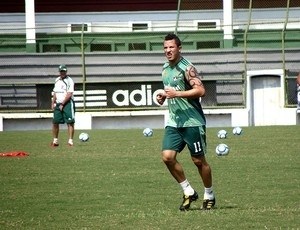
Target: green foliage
118,181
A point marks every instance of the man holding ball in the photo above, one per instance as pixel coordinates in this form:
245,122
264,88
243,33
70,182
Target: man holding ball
186,124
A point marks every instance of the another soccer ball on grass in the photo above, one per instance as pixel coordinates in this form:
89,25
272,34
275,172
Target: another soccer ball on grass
222,134
84,137
222,150
148,132
237,131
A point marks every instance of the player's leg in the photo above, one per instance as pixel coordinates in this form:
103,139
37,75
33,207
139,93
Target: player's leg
55,131
174,167
196,141
172,144
205,173
71,133
69,118
204,170
57,119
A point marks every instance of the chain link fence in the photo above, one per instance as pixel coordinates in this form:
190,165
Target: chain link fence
116,58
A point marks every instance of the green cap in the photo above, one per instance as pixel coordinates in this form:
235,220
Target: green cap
62,68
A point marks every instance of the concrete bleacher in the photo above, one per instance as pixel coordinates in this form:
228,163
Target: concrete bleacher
108,66
25,70
20,96
21,72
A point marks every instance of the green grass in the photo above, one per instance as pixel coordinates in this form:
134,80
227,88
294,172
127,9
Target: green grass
118,181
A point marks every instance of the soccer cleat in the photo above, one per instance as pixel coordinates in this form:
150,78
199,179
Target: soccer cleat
208,204
53,144
187,200
70,144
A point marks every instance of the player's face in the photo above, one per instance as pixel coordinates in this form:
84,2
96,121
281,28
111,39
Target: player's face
172,51
63,74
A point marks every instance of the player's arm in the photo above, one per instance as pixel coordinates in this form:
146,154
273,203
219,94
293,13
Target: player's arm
53,100
197,88
67,98
298,79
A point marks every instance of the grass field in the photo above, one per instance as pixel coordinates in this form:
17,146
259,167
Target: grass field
118,181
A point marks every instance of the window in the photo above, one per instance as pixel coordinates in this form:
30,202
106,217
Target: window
73,28
207,24
140,26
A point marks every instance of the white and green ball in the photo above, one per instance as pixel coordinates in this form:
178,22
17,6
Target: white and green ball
222,134
222,149
147,132
84,137
237,131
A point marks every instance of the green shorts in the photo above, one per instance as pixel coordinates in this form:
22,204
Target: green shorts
67,115
177,138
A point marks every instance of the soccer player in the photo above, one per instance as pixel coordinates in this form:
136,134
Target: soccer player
298,91
186,125
63,105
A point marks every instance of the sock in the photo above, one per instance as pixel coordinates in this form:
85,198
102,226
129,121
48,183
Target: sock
55,140
70,141
208,194
187,188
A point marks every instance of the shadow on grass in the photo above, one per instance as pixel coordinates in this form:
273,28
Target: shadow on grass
214,208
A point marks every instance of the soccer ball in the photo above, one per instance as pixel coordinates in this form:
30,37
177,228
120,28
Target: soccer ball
148,132
237,131
84,137
222,134
222,150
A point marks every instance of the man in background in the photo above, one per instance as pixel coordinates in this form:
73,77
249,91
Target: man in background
63,105
298,91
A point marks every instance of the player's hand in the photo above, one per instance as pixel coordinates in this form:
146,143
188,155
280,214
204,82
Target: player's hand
170,92
160,98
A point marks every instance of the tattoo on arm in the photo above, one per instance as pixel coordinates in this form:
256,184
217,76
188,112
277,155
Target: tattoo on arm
193,77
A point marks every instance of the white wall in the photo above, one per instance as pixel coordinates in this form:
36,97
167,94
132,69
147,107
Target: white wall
137,119
119,120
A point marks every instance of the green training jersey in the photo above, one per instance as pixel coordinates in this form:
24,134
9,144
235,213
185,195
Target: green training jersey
183,112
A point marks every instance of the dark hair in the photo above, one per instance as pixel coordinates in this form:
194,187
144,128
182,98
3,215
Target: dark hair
173,36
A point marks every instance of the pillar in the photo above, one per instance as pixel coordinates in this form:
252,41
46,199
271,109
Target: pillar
228,23
30,26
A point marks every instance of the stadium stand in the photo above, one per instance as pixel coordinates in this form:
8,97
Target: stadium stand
21,73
